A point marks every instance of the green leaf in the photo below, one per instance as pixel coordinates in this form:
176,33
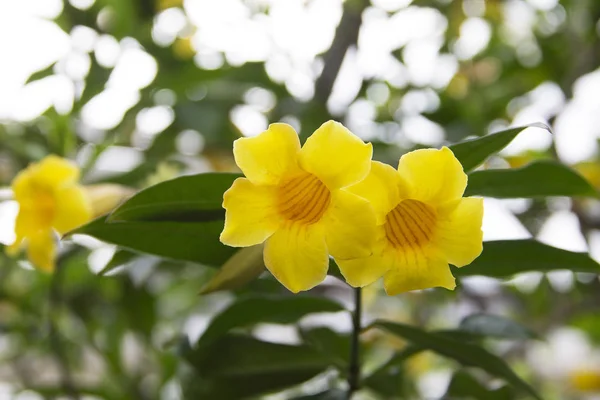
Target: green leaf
273,309
327,341
538,179
236,367
191,198
466,353
188,241
472,153
504,258
464,386
495,326
243,267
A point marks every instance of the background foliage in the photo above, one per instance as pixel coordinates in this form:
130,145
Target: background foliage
182,84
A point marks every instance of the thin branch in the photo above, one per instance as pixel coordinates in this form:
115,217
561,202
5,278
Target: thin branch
346,35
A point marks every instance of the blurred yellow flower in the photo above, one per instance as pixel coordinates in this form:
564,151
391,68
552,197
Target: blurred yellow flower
293,198
50,199
424,223
585,380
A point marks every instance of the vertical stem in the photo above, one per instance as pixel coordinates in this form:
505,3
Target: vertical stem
354,370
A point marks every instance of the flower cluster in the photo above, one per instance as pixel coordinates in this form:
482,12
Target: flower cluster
328,198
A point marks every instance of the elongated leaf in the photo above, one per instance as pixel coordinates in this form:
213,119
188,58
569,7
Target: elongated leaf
191,198
464,386
243,267
188,241
472,153
329,342
538,179
274,309
495,326
236,367
465,353
504,258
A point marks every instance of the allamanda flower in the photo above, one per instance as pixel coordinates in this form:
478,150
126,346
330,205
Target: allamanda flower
423,223
50,199
293,200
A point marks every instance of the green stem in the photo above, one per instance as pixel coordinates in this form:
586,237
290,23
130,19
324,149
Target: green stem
354,370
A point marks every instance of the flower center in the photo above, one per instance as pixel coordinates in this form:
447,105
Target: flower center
410,224
303,198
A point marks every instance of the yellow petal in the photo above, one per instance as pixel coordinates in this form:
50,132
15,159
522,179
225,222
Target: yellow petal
297,256
251,213
41,250
434,176
265,158
72,208
56,171
31,219
360,272
336,156
51,172
415,270
459,236
383,188
349,226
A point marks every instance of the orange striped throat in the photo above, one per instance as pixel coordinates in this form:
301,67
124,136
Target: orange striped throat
410,224
303,198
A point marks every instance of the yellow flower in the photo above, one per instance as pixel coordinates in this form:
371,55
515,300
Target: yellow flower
585,380
293,198
49,200
423,223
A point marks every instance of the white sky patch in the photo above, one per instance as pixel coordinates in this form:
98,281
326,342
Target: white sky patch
248,120
107,109
475,34
500,224
135,70
562,230
32,44
107,51
346,86
577,127
539,105
421,130
8,215
153,120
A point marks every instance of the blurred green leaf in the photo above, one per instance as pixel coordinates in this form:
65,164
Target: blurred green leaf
236,367
495,326
472,153
464,386
387,381
504,258
273,309
329,342
194,198
189,241
538,179
466,353
244,266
